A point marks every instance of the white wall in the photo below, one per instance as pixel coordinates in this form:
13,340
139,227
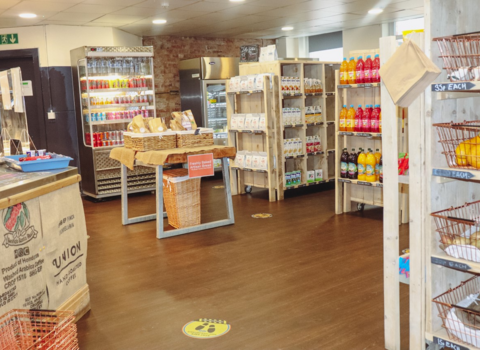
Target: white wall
363,38
55,42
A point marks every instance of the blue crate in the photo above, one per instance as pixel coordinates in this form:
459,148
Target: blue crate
57,162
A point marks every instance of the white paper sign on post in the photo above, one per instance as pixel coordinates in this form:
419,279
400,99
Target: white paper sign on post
5,90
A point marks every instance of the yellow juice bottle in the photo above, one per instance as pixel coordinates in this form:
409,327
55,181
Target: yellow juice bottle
344,71
351,119
343,119
352,71
370,169
377,155
361,166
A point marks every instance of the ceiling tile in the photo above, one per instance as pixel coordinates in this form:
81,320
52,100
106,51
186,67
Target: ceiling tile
279,3
117,19
39,7
209,6
5,4
247,9
113,2
67,16
172,4
18,22
174,15
41,15
97,9
63,23
139,11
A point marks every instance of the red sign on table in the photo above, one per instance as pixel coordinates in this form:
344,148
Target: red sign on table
200,165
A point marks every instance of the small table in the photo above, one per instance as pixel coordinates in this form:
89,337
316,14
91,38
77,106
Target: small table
157,159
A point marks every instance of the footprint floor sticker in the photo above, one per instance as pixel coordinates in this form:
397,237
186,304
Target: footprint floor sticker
206,328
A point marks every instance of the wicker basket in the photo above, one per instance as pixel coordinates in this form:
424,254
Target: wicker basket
189,138
461,321
150,142
182,198
36,329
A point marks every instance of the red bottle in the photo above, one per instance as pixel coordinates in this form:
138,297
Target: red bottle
375,69
360,70
358,119
368,70
366,121
375,119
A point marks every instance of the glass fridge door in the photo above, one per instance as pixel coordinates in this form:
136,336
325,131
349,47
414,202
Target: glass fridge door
215,109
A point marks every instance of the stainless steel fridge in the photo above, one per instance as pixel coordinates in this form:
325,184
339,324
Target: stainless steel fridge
202,89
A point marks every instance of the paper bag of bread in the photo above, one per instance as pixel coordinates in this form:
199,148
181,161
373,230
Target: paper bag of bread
190,117
157,125
182,119
138,125
176,126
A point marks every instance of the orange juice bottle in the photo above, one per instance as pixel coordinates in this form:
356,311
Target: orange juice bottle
344,72
351,119
343,119
352,71
378,156
370,169
361,165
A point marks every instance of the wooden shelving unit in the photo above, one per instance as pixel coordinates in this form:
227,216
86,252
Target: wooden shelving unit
260,101
353,191
324,71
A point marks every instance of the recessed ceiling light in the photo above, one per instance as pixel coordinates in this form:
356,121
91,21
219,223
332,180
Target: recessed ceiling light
287,28
159,21
27,15
375,11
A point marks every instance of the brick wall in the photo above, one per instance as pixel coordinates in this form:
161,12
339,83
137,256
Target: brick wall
170,50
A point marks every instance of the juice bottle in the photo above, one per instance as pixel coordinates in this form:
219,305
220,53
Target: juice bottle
366,118
344,164
352,71
368,70
381,171
379,119
351,119
360,78
343,119
352,165
361,165
377,155
358,119
375,69
344,71
374,119
370,169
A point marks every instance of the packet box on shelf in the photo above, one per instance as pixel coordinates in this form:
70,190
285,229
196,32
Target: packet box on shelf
310,175
318,174
248,160
240,159
255,161
255,121
262,122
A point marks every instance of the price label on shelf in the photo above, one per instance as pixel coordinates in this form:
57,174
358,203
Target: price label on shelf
447,344
451,264
462,175
453,87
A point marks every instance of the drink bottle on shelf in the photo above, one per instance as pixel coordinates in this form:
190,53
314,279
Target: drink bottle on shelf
361,165
352,71
375,69
343,119
344,71
367,113
370,169
351,119
374,125
360,74
344,164
378,156
381,170
358,119
352,165
368,70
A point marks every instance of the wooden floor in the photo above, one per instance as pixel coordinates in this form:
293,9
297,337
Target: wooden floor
304,279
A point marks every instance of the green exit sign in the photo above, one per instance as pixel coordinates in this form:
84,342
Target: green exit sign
8,39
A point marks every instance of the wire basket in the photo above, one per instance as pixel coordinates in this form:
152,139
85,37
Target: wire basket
182,198
459,230
461,143
460,311
461,56
37,329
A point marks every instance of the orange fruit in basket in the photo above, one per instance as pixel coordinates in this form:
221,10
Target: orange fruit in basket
473,154
461,153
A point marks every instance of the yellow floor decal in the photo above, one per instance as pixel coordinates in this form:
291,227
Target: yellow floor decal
262,216
206,328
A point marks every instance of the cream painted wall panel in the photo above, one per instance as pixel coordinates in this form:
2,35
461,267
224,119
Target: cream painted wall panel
363,38
28,38
121,38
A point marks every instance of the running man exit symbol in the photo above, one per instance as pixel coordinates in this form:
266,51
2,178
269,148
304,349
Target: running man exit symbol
8,39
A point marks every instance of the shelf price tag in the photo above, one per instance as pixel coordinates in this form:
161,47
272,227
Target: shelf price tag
463,175
364,183
346,181
448,344
453,87
450,264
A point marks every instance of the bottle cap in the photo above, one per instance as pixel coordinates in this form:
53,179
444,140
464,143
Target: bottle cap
344,106
369,56
351,106
359,106
360,57
352,58
377,55
344,58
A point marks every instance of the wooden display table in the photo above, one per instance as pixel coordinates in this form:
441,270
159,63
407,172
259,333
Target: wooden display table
158,159
43,241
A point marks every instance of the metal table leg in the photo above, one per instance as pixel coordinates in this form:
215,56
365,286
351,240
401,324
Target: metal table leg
159,199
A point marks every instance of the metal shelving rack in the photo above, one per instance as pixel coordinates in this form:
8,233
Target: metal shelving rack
100,173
